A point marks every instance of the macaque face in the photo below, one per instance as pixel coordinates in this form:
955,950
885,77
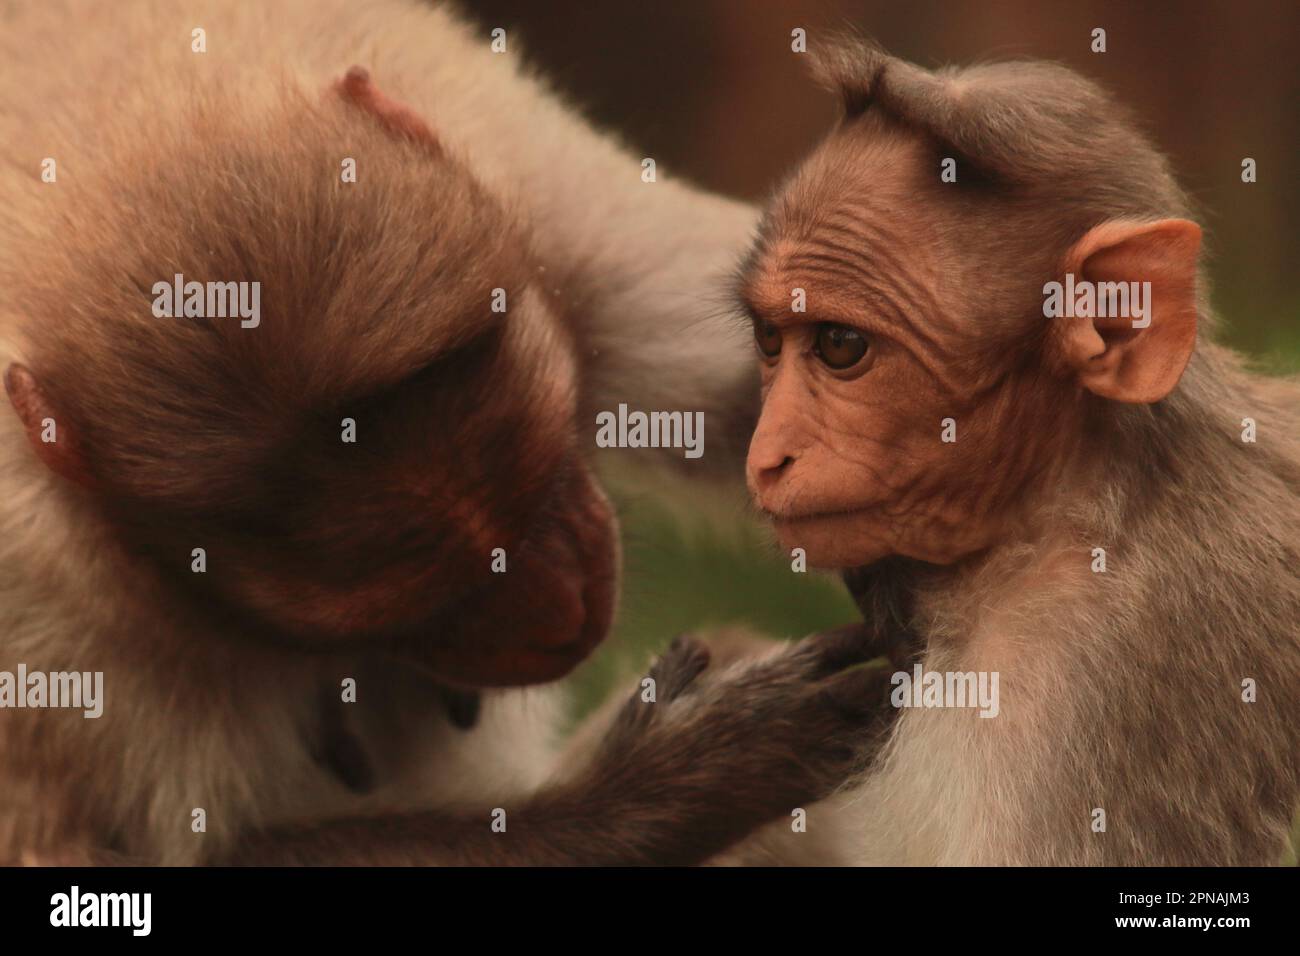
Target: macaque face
849,459
461,529
384,459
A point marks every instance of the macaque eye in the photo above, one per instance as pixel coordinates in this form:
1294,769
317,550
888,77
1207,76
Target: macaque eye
768,337
839,346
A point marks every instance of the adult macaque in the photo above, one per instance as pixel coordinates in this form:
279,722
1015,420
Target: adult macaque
368,484
1070,502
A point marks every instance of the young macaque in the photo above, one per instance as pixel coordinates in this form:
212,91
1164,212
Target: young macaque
288,496
1003,414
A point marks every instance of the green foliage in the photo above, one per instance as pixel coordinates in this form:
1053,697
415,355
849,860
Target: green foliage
1274,346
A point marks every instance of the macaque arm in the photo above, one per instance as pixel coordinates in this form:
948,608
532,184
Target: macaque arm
563,827
673,781
75,854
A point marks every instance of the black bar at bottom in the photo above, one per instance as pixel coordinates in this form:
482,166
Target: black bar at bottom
661,907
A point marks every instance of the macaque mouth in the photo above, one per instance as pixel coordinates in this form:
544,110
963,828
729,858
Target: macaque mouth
803,517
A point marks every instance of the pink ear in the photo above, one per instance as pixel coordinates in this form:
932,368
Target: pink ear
51,438
1122,358
359,89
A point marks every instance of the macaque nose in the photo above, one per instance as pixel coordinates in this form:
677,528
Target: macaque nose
767,464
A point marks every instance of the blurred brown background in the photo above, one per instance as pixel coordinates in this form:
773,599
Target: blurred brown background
711,89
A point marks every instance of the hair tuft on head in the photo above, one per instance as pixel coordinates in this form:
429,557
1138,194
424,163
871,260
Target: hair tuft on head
1019,122
850,65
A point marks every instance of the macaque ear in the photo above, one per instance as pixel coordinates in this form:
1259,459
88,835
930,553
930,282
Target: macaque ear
1139,356
356,87
51,437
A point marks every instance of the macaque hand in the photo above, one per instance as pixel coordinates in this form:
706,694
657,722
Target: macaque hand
732,750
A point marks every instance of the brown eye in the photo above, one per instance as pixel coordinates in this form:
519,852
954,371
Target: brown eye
839,346
768,337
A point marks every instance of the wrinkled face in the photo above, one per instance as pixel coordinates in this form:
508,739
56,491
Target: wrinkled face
386,459
875,437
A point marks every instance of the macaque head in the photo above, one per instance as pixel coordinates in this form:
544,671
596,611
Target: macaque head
922,384
347,390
